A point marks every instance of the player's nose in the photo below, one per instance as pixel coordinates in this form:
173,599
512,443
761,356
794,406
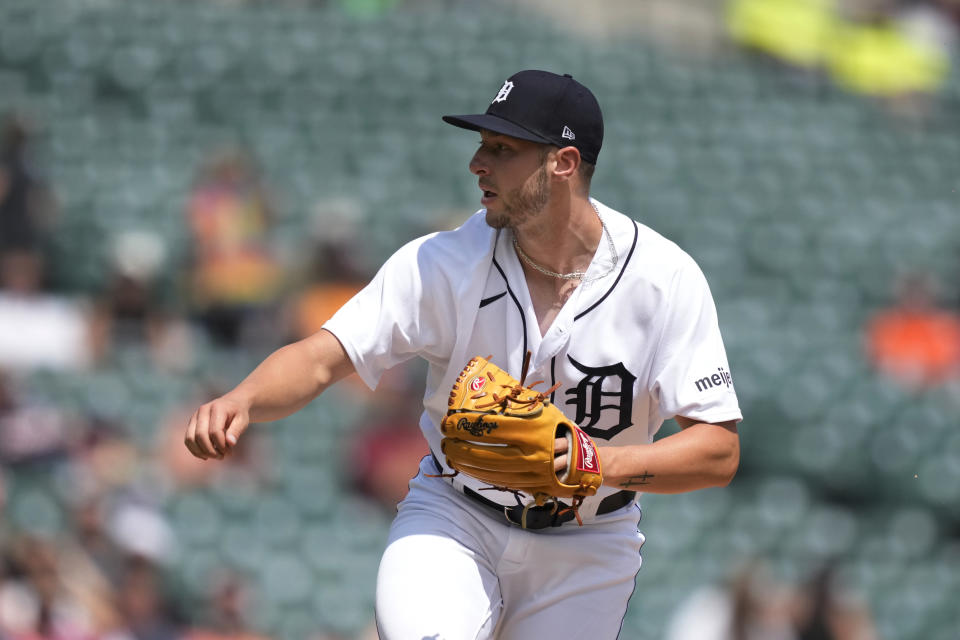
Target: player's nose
477,165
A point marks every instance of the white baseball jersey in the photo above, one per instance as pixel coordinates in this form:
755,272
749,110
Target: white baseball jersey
631,349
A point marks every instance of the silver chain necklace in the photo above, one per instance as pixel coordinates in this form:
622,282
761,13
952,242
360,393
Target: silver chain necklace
574,275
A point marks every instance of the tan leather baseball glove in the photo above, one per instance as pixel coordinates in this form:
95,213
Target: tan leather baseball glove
501,432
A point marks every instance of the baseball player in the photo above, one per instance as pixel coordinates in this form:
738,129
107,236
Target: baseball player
618,322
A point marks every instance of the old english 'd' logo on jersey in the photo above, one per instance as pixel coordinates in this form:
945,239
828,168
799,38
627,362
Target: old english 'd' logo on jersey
589,460
504,92
588,397
477,383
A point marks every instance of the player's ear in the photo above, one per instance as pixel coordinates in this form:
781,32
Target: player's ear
567,161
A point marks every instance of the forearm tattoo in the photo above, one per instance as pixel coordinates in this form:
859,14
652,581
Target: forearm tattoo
636,481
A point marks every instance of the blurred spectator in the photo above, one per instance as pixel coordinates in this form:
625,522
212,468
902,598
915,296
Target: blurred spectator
794,31
37,330
915,342
828,612
901,54
110,507
30,431
334,273
102,459
227,612
50,594
387,446
936,20
147,610
752,606
141,531
88,517
129,312
334,278
26,211
43,331
873,47
234,275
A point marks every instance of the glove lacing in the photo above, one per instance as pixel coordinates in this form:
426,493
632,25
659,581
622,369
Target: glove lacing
512,393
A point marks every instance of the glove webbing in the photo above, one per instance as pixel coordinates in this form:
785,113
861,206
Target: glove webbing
513,392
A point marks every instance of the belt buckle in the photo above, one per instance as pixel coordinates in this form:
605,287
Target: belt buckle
531,517
523,511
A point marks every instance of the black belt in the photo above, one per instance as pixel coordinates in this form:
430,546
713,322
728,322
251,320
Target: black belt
545,516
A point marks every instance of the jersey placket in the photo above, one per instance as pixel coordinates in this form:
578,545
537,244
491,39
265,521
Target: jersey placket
545,347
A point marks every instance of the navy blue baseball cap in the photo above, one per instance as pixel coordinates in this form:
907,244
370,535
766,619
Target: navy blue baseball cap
542,107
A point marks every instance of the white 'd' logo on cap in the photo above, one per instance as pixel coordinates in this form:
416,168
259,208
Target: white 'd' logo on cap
567,133
504,92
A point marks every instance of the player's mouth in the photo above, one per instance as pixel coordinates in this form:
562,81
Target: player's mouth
488,196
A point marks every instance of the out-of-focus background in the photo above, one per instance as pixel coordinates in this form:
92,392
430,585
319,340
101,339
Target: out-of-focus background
185,186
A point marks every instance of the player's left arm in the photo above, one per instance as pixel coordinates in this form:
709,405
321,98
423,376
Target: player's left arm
700,455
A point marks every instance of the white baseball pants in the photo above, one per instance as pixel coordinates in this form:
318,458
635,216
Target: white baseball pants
454,570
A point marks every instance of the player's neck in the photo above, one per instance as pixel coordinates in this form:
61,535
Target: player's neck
564,237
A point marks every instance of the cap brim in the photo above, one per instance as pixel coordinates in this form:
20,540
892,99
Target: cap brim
496,124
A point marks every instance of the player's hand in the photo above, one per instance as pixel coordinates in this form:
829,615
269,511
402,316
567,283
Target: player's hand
216,426
560,454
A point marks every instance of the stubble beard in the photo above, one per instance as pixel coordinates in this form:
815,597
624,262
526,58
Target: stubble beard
525,202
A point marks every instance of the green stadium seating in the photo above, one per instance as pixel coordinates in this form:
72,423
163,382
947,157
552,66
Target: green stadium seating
801,203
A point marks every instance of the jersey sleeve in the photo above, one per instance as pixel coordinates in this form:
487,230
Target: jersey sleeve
398,315
691,376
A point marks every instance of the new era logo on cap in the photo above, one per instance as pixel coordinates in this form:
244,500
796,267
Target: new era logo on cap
543,107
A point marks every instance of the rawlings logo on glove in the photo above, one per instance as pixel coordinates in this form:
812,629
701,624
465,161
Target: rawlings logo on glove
590,460
501,432
476,428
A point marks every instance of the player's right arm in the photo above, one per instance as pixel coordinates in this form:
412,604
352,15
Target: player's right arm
282,384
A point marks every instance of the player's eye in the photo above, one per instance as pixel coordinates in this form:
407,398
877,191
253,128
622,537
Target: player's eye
495,147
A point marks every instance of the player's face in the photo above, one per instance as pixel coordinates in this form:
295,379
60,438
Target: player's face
513,178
